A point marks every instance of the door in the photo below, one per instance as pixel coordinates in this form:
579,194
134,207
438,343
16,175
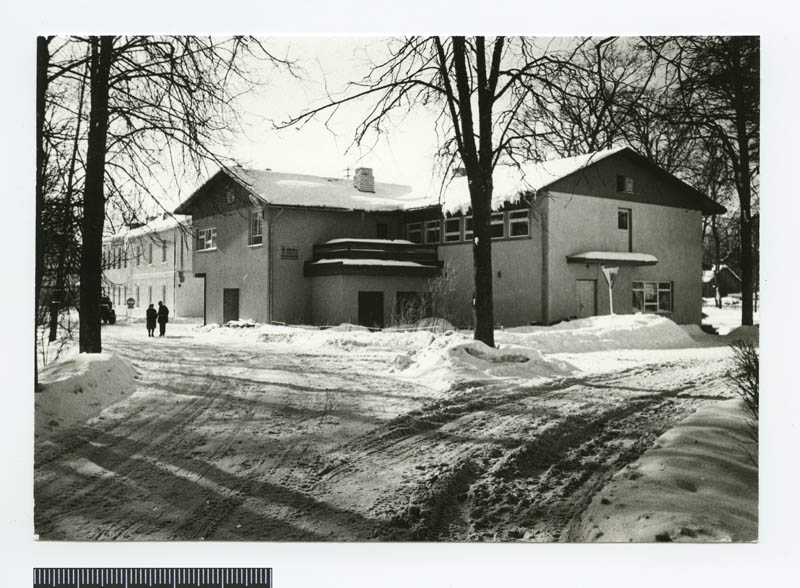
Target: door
587,298
370,309
230,304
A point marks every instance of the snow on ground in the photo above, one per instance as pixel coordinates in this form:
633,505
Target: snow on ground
78,387
726,319
698,483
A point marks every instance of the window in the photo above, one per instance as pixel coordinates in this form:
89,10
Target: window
624,219
519,223
138,303
125,295
149,295
207,239
150,253
652,296
230,197
164,293
256,226
163,252
497,226
414,232
467,228
452,230
125,257
625,184
433,231
138,260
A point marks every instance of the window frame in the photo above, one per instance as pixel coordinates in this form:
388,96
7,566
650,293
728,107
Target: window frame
519,220
626,214
457,233
256,213
430,226
493,222
469,233
209,235
656,288
626,184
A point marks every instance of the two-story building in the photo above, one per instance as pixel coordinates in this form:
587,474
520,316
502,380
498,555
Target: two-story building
152,262
304,249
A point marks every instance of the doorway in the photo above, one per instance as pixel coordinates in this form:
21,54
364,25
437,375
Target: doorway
230,304
370,309
586,297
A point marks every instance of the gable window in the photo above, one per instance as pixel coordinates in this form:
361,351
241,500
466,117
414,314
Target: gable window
519,223
230,197
497,226
625,184
256,227
414,232
624,219
433,231
207,239
652,296
468,228
452,230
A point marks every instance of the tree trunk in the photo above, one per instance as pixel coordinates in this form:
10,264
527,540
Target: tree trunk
42,61
717,261
94,198
746,238
482,264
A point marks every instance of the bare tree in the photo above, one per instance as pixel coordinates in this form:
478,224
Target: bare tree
718,81
158,105
479,89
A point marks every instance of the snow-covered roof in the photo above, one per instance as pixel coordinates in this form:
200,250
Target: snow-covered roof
613,258
161,223
511,182
383,262
708,275
377,241
288,189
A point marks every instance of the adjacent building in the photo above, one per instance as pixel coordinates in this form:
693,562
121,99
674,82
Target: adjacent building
152,262
305,249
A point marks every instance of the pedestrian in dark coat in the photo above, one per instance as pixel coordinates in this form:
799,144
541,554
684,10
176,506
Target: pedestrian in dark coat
151,315
163,317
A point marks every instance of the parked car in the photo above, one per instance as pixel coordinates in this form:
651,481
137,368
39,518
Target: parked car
107,313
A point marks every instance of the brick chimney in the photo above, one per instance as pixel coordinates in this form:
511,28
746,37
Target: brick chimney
363,180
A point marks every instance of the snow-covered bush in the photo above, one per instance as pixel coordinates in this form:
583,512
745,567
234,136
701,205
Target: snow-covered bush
745,379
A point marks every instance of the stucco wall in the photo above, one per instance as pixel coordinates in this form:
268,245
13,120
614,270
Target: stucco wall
517,271
304,228
583,223
335,298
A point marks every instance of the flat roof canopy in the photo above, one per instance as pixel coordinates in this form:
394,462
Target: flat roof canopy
612,258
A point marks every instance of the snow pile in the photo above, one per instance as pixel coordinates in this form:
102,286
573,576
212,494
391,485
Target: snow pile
726,319
79,387
344,336
241,324
600,333
453,358
698,483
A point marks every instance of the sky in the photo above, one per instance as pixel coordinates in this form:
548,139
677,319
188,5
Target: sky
404,155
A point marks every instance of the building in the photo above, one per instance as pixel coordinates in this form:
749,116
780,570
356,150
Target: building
729,282
152,262
305,249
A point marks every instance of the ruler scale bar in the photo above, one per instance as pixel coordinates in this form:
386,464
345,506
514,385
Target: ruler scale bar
158,577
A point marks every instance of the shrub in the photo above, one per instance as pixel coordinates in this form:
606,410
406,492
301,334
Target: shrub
745,379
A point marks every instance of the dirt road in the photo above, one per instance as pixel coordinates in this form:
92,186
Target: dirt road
260,442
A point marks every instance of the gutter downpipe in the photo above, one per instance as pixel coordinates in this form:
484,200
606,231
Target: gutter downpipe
271,260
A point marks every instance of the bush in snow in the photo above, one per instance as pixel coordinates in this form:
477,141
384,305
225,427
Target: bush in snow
745,378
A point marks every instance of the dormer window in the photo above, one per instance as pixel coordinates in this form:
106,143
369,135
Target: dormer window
625,184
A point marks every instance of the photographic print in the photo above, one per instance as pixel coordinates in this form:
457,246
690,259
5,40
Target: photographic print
440,289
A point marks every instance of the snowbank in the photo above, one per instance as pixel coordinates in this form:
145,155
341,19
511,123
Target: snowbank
600,333
453,358
698,483
78,388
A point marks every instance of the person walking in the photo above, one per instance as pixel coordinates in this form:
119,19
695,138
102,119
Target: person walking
163,317
151,316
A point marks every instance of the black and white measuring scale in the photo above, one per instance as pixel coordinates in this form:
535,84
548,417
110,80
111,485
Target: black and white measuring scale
156,577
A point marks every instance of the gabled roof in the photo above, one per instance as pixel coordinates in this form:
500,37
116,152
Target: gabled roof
161,223
708,275
286,189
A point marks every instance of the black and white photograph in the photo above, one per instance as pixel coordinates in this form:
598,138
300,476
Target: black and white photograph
398,294
423,288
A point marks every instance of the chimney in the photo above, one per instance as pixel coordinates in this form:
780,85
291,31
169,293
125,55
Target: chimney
363,180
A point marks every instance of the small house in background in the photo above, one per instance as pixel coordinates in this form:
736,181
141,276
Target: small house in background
725,279
151,262
305,249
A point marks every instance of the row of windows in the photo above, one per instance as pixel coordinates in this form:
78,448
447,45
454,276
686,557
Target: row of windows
117,258
460,229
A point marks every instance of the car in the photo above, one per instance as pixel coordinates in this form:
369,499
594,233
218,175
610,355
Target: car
107,313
